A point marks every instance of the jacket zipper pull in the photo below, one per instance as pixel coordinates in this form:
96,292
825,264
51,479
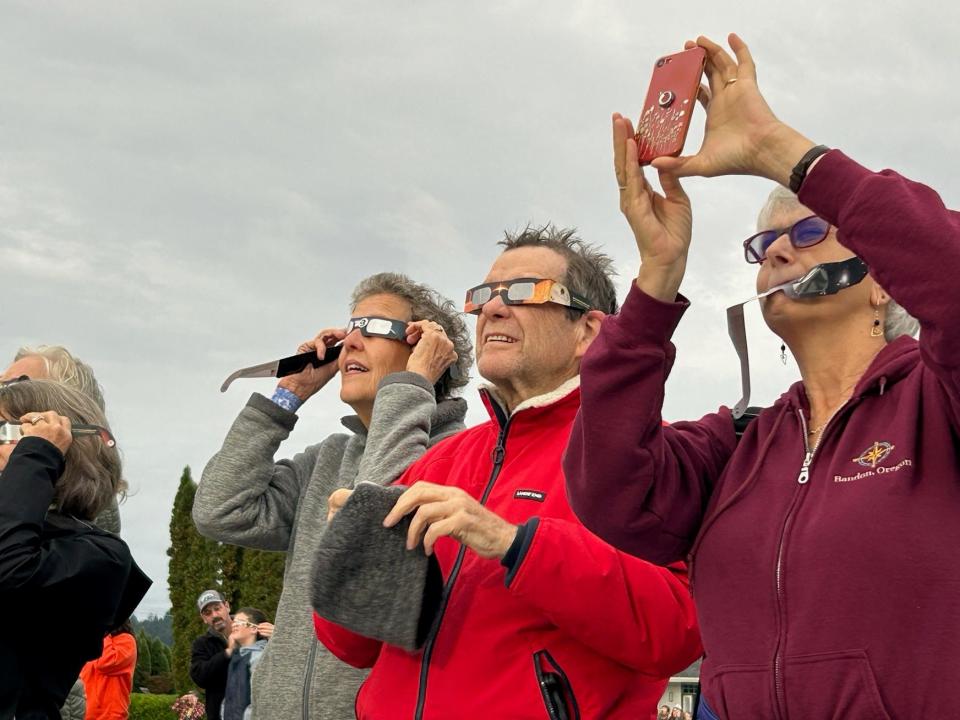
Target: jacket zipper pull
497,454
804,477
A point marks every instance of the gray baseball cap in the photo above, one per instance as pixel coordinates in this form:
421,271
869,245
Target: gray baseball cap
207,597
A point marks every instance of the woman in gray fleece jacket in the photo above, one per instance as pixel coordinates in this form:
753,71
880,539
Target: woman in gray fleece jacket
399,385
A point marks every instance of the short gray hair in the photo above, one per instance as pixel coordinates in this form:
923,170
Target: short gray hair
92,473
63,367
898,321
589,271
426,304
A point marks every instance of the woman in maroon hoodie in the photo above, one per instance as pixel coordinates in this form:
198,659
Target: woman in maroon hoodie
824,545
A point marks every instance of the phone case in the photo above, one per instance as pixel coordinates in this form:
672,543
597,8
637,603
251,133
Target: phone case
665,119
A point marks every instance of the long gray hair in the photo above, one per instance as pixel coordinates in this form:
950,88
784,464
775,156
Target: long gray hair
92,474
898,321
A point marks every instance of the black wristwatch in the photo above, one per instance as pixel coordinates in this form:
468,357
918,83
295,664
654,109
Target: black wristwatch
801,168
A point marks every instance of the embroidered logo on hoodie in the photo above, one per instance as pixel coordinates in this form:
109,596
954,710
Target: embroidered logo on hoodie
874,454
530,495
870,458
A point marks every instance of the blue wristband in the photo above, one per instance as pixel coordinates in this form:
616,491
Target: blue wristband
289,401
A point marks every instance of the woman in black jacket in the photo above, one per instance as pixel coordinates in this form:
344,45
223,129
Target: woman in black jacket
58,469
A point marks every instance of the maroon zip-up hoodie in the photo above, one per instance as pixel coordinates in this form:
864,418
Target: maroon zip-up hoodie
825,592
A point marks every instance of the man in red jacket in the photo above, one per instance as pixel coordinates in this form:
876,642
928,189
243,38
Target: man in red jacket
538,618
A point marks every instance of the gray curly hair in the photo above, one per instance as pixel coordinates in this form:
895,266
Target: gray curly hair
898,321
92,473
426,304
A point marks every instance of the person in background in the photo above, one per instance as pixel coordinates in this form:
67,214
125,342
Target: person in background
109,679
248,643
210,653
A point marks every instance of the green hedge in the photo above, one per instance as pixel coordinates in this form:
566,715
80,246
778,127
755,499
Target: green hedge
152,707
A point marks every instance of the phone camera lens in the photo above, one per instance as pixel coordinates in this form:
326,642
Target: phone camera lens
661,62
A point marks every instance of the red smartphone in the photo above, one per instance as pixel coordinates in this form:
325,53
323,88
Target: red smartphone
665,119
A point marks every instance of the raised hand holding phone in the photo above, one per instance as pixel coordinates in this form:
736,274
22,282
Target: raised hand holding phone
661,224
742,135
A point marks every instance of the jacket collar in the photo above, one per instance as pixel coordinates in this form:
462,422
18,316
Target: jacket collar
447,416
497,409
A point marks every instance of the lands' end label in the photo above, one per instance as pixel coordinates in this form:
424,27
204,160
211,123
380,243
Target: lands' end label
530,495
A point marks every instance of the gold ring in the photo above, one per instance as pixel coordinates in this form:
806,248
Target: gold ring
36,418
729,82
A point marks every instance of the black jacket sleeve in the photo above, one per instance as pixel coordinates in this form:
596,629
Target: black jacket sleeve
26,491
208,663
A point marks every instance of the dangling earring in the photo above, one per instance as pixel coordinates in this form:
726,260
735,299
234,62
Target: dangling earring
876,330
783,353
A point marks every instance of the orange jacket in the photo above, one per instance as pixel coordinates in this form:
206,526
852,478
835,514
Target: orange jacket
108,679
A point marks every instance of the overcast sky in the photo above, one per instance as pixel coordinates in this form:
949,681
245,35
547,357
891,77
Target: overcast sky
191,187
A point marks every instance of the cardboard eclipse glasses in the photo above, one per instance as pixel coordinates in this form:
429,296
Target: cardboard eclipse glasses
11,432
369,326
524,291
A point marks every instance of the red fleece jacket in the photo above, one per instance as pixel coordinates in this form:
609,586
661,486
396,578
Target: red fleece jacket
834,598
611,626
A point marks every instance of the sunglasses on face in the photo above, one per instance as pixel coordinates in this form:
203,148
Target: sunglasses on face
524,291
246,624
371,326
804,233
11,432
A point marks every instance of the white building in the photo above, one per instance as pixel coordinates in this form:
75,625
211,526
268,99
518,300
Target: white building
682,689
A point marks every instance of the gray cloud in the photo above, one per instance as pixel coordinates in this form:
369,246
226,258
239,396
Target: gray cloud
189,188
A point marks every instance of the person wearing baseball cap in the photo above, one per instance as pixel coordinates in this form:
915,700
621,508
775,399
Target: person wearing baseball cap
210,654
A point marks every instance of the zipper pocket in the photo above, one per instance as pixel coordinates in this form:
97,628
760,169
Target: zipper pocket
555,689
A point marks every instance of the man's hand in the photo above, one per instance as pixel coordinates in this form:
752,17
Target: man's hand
449,511
337,499
50,426
432,352
308,382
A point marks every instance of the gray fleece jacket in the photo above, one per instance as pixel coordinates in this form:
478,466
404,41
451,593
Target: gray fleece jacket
245,498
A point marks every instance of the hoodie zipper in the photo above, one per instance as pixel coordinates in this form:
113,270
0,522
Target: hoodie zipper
307,686
497,456
803,478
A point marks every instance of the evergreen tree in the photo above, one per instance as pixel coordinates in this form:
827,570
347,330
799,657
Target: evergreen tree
231,564
159,663
143,668
261,580
194,567
144,656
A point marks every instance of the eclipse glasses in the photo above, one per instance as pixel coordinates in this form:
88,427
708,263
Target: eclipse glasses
524,291
11,431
